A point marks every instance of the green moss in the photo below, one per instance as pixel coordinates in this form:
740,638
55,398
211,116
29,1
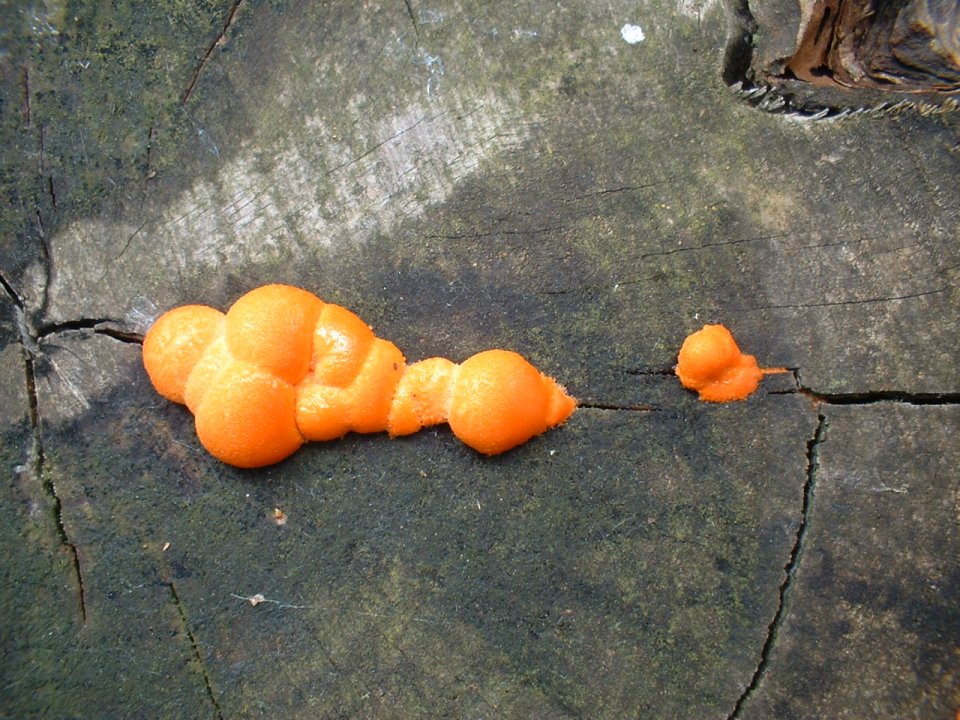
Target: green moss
88,90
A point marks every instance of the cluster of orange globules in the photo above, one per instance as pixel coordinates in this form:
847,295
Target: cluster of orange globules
282,367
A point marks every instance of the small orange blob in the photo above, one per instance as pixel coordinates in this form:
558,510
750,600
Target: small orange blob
282,367
175,344
500,400
247,418
711,363
271,327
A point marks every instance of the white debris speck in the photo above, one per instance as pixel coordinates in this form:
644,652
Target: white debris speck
632,34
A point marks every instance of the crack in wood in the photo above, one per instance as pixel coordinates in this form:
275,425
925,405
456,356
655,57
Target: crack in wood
708,246
37,469
99,326
868,397
413,19
634,407
622,189
126,245
51,192
44,185
11,291
27,111
217,41
148,172
789,569
835,303
195,646
36,458
738,54
664,371
29,338
376,146
499,233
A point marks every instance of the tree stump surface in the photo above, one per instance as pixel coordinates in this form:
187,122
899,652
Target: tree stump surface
572,181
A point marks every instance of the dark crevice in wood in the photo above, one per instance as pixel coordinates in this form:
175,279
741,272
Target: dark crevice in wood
37,468
29,338
708,246
789,569
876,396
45,260
500,233
738,55
622,189
44,187
218,40
859,301
41,225
868,397
195,646
664,371
148,172
36,458
51,192
11,292
99,326
27,103
639,407
131,338
822,25
413,19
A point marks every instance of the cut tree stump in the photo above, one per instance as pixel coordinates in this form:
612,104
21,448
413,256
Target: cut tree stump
573,181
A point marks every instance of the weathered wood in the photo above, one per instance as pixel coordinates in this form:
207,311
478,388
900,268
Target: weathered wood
873,610
911,47
627,561
842,55
463,177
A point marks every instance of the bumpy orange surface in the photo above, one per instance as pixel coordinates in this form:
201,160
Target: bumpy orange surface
282,367
711,363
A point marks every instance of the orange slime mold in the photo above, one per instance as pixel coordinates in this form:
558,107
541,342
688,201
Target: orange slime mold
711,363
282,367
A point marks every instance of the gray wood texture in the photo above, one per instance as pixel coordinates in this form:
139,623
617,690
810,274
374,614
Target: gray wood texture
466,176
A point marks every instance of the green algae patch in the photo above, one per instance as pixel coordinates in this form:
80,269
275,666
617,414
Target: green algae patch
90,90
